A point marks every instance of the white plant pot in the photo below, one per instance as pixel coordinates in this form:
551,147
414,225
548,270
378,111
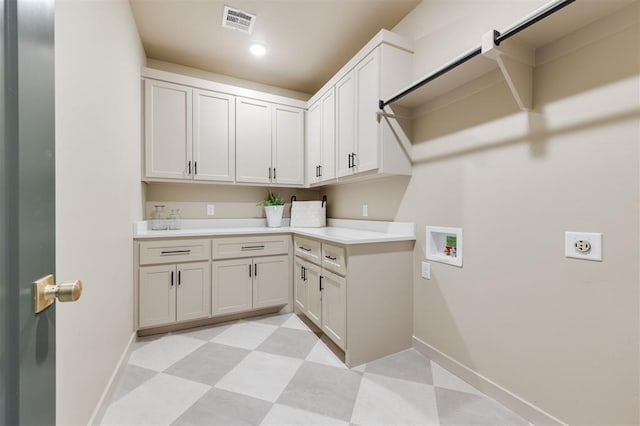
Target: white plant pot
274,215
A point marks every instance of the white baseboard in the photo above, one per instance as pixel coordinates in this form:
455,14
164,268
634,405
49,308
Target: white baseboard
98,412
507,398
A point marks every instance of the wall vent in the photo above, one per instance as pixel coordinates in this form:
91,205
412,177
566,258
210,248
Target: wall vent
238,20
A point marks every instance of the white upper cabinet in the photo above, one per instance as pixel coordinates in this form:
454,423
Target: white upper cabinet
366,143
200,130
213,136
288,145
269,143
321,139
253,141
189,133
168,114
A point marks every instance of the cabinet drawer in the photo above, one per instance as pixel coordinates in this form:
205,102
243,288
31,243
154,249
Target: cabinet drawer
334,258
174,251
307,249
234,247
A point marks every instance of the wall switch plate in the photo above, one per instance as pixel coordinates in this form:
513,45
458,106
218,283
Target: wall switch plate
583,245
426,270
365,210
211,209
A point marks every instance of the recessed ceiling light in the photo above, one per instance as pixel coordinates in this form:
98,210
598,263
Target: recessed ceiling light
258,49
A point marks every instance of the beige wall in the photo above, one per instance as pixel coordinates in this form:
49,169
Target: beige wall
98,193
230,201
560,333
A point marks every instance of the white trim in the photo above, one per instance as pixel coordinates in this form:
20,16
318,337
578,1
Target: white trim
509,399
98,412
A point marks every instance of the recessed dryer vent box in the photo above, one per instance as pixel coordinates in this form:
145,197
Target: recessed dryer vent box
444,245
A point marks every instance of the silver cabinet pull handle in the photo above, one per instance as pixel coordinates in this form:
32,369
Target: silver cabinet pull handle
173,252
245,248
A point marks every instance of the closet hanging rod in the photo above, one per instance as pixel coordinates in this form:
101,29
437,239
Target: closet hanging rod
498,38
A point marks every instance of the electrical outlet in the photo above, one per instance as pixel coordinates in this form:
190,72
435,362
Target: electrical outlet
426,270
583,245
211,209
365,210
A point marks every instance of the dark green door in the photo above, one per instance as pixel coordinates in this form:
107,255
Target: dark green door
27,199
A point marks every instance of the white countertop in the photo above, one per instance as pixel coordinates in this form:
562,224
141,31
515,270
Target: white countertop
338,230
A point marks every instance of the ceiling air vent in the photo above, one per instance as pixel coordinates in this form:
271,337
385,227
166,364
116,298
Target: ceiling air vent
238,20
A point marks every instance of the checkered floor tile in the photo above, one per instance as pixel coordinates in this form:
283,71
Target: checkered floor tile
274,370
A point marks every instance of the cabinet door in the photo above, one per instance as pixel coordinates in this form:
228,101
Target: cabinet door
253,141
345,123
194,291
214,136
288,145
156,295
328,165
300,285
314,295
270,281
334,308
231,282
367,97
314,141
168,112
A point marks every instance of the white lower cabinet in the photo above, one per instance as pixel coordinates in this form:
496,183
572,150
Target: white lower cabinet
322,297
334,308
240,285
231,284
173,293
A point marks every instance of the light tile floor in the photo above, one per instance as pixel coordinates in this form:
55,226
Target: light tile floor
275,370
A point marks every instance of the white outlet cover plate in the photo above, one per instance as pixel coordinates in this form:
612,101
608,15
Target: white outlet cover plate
426,270
594,238
211,209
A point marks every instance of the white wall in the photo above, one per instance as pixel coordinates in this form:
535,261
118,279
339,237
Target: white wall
98,193
561,334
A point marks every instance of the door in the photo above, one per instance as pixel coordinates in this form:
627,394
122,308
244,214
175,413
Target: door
288,145
300,285
367,96
328,168
231,286
168,133
314,295
334,308
270,281
157,295
253,141
27,221
314,142
194,291
214,136
345,124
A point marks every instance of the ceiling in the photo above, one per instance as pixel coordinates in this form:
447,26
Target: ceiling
308,40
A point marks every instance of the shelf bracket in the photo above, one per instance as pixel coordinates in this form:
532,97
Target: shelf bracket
516,64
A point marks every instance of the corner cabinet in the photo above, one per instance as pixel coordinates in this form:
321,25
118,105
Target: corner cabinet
348,138
189,133
269,143
359,295
366,141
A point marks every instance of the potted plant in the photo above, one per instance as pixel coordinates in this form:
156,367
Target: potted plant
273,207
